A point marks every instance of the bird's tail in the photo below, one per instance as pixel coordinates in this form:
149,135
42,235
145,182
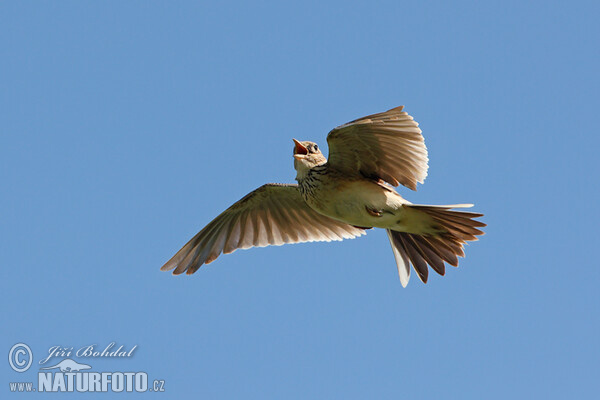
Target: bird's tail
450,231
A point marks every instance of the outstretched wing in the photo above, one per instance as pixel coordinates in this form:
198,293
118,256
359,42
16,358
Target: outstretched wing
386,146
273,214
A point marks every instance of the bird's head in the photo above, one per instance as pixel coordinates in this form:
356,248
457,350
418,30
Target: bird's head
306,156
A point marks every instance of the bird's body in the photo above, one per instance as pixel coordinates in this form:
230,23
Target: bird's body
342,196
350,199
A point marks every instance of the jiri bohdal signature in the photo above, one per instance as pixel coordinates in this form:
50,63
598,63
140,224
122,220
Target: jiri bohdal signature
91,350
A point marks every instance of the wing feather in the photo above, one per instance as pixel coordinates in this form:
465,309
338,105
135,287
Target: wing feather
273,214
386,146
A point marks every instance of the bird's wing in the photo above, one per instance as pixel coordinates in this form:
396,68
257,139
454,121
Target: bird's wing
386,146
273,214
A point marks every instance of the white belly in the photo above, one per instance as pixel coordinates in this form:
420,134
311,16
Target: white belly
350,202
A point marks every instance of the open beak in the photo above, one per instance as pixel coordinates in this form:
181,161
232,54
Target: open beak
300,151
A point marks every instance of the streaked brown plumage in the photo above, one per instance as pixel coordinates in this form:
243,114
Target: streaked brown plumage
339,197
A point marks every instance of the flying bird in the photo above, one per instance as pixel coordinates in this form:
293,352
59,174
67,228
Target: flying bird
342,196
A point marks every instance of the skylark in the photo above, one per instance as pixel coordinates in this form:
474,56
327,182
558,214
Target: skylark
343,196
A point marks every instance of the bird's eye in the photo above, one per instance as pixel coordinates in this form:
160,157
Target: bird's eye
316,148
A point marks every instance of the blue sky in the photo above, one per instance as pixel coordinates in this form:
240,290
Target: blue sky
127,126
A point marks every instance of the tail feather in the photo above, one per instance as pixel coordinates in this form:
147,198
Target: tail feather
455,228
445,252
401,256
429,255
416,258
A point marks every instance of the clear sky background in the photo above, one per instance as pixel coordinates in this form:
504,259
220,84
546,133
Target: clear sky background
125,127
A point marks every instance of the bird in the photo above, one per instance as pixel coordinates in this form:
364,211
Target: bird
343,196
